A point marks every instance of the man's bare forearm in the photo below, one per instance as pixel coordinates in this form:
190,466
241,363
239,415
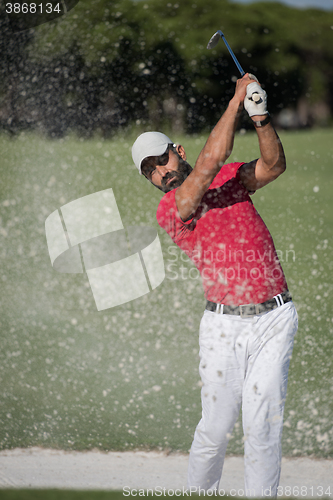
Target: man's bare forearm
273,160
213,155
220,142
215,152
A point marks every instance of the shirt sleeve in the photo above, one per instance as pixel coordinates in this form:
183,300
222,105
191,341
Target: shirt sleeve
167,213
226,173
169,219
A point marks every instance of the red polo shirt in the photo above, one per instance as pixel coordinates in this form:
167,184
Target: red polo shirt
228,242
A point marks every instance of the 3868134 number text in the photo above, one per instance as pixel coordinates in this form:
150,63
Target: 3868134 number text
32,8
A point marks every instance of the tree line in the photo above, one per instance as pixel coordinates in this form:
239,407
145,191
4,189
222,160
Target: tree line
106,65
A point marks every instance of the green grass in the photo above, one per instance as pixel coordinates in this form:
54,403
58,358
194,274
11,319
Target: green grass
125,378
33,494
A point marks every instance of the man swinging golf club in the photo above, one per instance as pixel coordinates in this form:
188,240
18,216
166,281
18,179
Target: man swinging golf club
248,326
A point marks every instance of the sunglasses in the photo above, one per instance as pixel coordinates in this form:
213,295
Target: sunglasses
149,164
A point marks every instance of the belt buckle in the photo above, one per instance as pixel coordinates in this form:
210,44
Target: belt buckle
244,314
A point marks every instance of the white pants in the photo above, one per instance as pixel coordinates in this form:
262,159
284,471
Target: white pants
243,361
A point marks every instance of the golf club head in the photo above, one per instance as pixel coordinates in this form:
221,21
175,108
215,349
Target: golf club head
214,40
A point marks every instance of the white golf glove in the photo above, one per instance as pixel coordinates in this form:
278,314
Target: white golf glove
255,101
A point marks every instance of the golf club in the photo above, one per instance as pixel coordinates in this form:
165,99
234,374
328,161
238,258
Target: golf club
214,41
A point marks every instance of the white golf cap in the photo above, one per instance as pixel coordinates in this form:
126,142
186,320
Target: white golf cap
149,144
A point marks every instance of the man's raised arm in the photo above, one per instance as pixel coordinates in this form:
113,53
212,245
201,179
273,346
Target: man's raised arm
269,166
214,154
272,161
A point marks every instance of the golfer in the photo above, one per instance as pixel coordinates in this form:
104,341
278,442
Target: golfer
248,327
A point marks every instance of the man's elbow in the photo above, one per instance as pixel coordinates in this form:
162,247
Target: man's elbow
282,165
279,166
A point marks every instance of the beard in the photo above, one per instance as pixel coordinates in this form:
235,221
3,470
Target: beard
175,178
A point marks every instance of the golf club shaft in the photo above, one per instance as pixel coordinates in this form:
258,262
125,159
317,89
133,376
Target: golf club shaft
240,69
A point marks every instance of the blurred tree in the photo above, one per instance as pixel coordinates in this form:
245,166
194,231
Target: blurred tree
105,65
13,74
